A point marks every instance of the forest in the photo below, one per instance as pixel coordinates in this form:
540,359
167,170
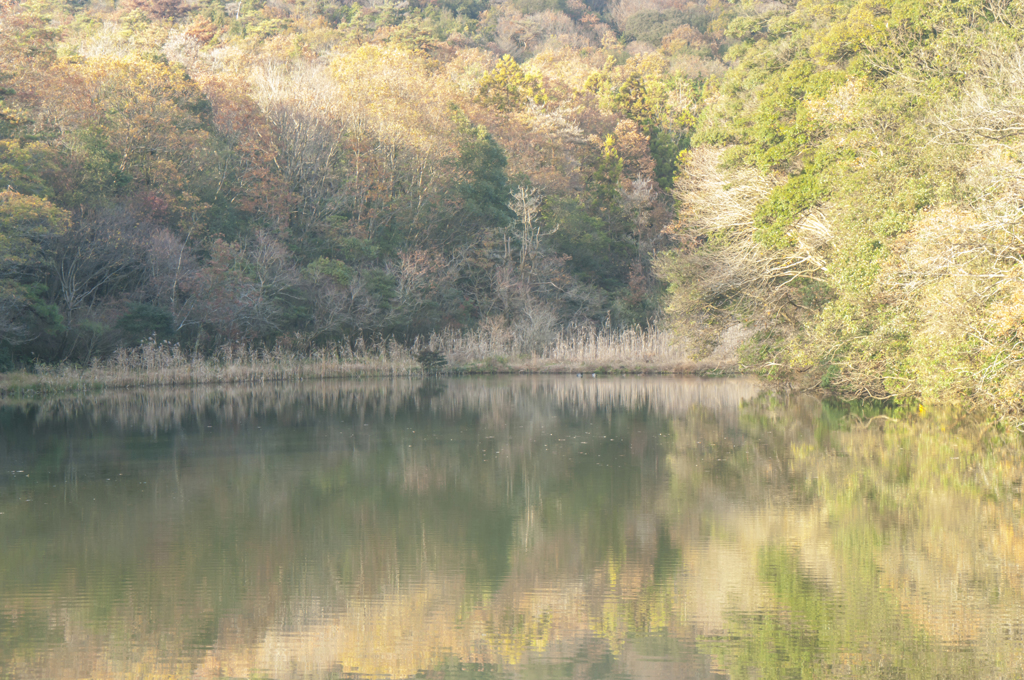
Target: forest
837,183
254,173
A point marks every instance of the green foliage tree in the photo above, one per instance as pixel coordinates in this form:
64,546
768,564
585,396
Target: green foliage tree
604,182
28,227
596,256
633,101
27,223
484,189
508,87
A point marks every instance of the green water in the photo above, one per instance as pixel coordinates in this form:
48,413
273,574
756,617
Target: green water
535,527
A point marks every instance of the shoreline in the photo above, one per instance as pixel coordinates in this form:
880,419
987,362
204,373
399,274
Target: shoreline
68,380
154,364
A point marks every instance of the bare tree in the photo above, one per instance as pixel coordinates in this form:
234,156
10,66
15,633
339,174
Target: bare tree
102,254
718,208
300,102
638,198
332,305
992,107
172,275
270,284
526,204
721,273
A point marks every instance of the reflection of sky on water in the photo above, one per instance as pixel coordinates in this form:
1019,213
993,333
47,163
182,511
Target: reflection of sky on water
502,527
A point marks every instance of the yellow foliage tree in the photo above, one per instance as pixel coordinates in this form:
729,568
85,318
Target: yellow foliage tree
25,222
152,115
507,87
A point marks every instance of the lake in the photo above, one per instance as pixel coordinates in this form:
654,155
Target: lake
505,527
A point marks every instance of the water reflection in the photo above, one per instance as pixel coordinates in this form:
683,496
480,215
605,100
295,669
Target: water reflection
505,527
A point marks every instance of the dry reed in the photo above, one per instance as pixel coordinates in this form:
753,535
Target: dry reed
154,364
494,347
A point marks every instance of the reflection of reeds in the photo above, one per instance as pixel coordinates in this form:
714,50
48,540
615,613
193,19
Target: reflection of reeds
533,398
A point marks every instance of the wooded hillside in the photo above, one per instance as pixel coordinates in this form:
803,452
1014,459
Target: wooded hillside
839,182
302,172
855,199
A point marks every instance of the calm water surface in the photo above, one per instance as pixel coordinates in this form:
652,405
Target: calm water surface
539,527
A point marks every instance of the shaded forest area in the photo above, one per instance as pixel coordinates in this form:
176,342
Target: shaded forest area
293,172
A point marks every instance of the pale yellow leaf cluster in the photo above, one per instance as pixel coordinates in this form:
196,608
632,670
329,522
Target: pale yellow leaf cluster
393,95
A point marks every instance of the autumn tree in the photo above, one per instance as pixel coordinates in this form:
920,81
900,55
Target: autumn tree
633,148
248,161
401,142
149,137
300,102
326,170
158,9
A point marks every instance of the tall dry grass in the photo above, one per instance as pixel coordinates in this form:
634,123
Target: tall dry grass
494,347
153,364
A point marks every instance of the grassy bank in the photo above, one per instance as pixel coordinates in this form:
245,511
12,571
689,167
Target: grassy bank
493,348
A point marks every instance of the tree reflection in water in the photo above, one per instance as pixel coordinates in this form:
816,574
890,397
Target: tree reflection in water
504,527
